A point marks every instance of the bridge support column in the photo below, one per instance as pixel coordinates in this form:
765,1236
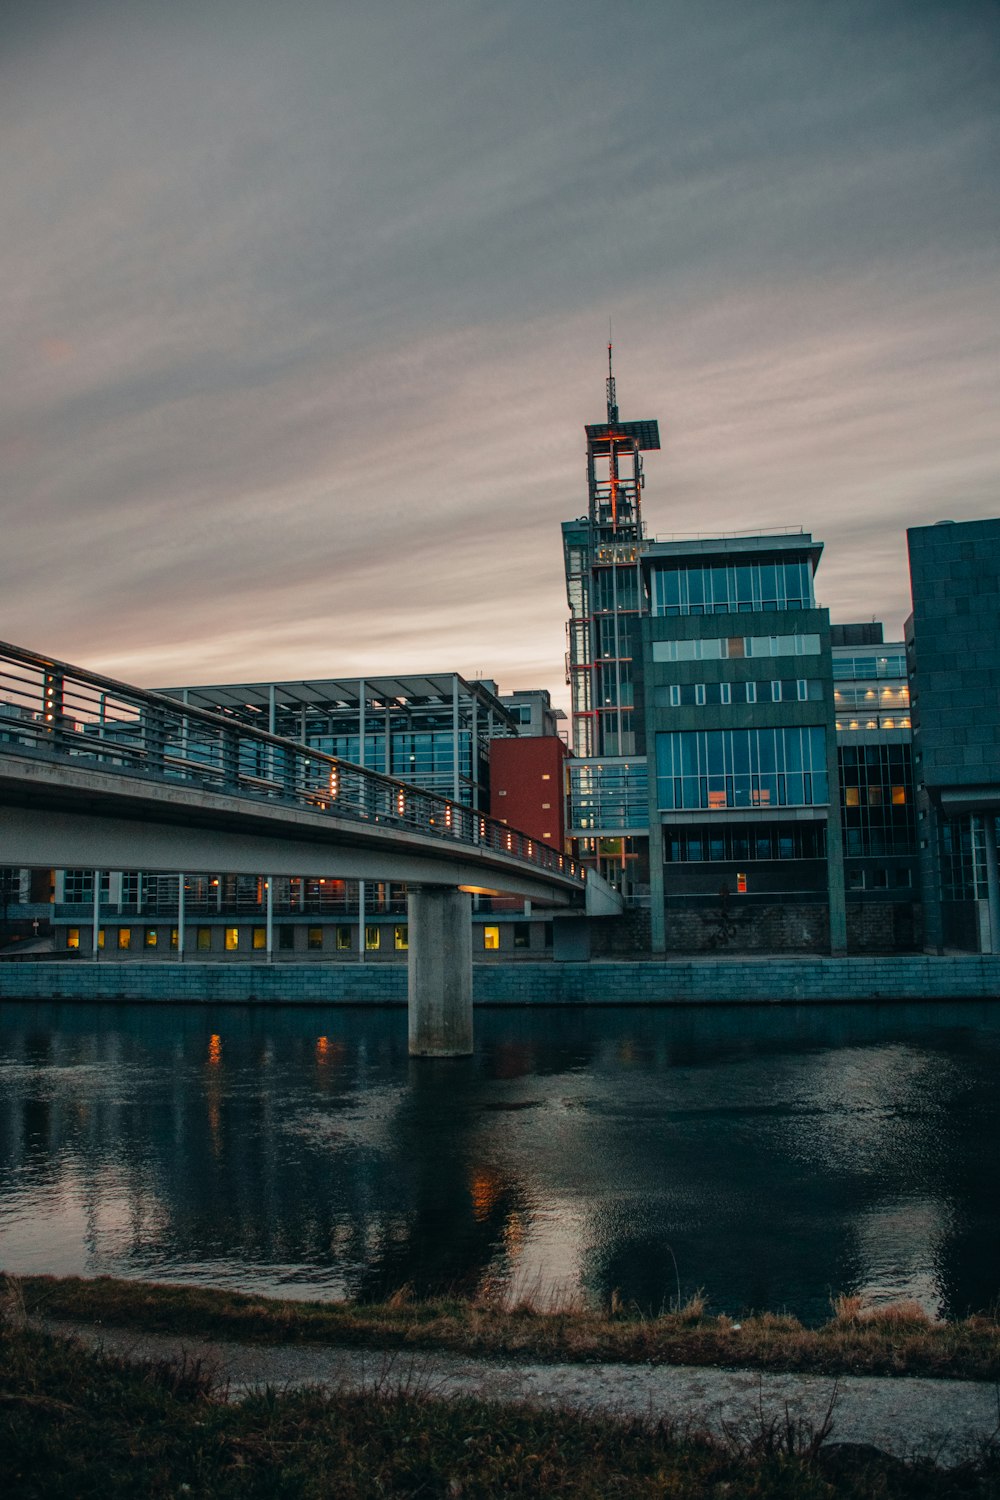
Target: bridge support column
440,971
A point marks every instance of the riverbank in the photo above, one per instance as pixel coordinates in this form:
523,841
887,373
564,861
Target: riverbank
896,1340
116,1411
746,979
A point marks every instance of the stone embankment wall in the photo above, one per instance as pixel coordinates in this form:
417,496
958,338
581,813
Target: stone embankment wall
697,981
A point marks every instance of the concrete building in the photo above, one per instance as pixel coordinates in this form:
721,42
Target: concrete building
745,844
878,802
953,659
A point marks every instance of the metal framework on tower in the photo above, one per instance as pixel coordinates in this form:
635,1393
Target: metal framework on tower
603,582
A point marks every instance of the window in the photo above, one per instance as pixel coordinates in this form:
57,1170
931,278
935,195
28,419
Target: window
725,692
775,692
100,937
344,936
72,937
314,938
699,693
124,938
203,940
751,692
522,935
373,939
675,695
152,937
802,688
491,937
232,939
286,937
852,796
899,796
259,938
173,938
401,937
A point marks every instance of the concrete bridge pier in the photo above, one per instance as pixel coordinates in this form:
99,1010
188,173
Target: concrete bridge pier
440,971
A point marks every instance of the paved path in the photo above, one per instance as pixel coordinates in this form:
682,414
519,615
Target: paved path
905,1416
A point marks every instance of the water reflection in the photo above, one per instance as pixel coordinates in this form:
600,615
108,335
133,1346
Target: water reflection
770,1156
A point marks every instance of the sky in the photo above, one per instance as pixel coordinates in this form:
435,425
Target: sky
303,309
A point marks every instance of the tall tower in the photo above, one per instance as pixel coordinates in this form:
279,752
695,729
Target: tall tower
603,582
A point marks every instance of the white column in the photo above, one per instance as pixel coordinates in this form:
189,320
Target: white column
361,921
97,913
456,780
269,919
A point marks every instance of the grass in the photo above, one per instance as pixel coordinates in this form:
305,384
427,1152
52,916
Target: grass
899,1340
77,1424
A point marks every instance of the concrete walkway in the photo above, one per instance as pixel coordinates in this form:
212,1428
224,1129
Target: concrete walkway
905,1416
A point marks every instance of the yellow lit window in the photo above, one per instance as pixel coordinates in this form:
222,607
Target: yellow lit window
852,797
173,938
152,937
373,939
260,938
232,939
73,937
401,938
100,937
491,937
314,938
203,940
899,795
124,937
716,799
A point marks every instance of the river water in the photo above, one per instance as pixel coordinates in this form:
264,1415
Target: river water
770,1155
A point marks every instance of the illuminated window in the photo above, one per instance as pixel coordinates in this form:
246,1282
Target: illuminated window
899,795
401,938
491,937
203,940
173,938
152,937
100,937
741,884
344,943
852,796
232,939
717,799
259,939
373,939
73,937
124,938
546,776
314,938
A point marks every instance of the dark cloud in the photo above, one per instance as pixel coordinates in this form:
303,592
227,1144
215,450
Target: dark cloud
302,310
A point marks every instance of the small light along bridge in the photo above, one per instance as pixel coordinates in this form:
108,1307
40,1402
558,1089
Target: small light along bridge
100,775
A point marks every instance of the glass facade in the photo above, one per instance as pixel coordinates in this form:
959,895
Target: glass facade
876,789
609,795
731,589
742,768
735,647
742,843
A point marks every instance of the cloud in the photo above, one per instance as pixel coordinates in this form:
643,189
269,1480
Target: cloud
302,312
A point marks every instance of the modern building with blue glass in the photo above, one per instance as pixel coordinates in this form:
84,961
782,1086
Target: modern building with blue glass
738,725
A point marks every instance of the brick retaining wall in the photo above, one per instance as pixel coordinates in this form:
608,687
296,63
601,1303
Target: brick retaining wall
676,981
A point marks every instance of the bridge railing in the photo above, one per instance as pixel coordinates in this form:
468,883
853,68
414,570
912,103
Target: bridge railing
57,711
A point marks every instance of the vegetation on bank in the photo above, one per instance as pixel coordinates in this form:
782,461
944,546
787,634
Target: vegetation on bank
898,1340
78,1424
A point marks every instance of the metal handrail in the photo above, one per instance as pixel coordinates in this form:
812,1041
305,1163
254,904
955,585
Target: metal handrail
53,709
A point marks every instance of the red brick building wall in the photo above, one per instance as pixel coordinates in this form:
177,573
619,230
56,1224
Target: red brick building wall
527,784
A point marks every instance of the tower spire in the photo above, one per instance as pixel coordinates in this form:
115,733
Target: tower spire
612,398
